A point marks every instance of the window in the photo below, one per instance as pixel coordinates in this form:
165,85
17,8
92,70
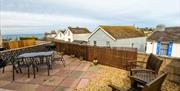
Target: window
69,40
132,45
164,49
108,43
94,43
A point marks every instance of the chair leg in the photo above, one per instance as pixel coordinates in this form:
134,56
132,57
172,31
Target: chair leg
28,72
3,69
48,69
37,69
113,89
34,72
19,70
63,61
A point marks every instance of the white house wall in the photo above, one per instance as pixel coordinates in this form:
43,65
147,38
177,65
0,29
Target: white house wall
139,43
83,37
101,39
67,37
176,50
60,36
151,47
53,35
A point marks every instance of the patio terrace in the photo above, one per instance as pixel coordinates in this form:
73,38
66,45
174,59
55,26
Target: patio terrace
78,75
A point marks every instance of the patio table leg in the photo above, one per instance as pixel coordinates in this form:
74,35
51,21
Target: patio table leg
48,64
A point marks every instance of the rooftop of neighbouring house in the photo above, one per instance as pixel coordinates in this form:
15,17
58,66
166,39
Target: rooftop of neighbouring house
119,32
78,75
78,30
168,34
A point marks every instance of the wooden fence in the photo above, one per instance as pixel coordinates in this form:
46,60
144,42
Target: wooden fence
19,44
114,57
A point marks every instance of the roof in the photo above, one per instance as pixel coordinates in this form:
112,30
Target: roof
120,32
169,34
53,32
46,33
62,31
78,30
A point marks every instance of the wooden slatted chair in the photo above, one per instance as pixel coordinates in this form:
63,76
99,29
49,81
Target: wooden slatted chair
154,85
152,66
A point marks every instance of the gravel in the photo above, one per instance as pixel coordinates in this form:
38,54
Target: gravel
118,77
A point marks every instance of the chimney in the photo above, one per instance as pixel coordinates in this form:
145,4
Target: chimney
160,27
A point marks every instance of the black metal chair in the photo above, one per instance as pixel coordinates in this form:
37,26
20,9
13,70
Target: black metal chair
43,61
2,64
20,63
59,56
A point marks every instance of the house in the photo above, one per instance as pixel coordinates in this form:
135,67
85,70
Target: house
50,35
118,36
60,35
53,34
164,41
76,33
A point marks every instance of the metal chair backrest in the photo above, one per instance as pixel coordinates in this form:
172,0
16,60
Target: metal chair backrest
2,63
153,63
155,85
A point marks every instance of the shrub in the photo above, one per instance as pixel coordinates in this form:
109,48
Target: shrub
28,37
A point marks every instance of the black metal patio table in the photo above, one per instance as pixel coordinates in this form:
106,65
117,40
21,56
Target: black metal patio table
34,55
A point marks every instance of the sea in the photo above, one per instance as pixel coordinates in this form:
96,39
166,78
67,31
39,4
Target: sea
16,36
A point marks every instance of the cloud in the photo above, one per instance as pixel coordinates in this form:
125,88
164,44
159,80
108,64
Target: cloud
25,19
90,13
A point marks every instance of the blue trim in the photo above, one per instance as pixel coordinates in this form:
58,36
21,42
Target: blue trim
170,48
158,48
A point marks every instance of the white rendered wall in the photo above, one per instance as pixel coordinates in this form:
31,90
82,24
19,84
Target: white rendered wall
82,37
176,50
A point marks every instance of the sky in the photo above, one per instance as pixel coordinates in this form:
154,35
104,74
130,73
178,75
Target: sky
39,16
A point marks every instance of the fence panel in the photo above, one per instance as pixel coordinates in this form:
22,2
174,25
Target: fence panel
114,57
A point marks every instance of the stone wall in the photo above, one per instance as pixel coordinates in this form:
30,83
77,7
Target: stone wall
171,65
8,54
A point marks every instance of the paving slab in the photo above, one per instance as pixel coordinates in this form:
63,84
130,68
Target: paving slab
70,82
3,83
20,87
83,83
45,88
54,81
76,74
39,79
63,73
61,88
